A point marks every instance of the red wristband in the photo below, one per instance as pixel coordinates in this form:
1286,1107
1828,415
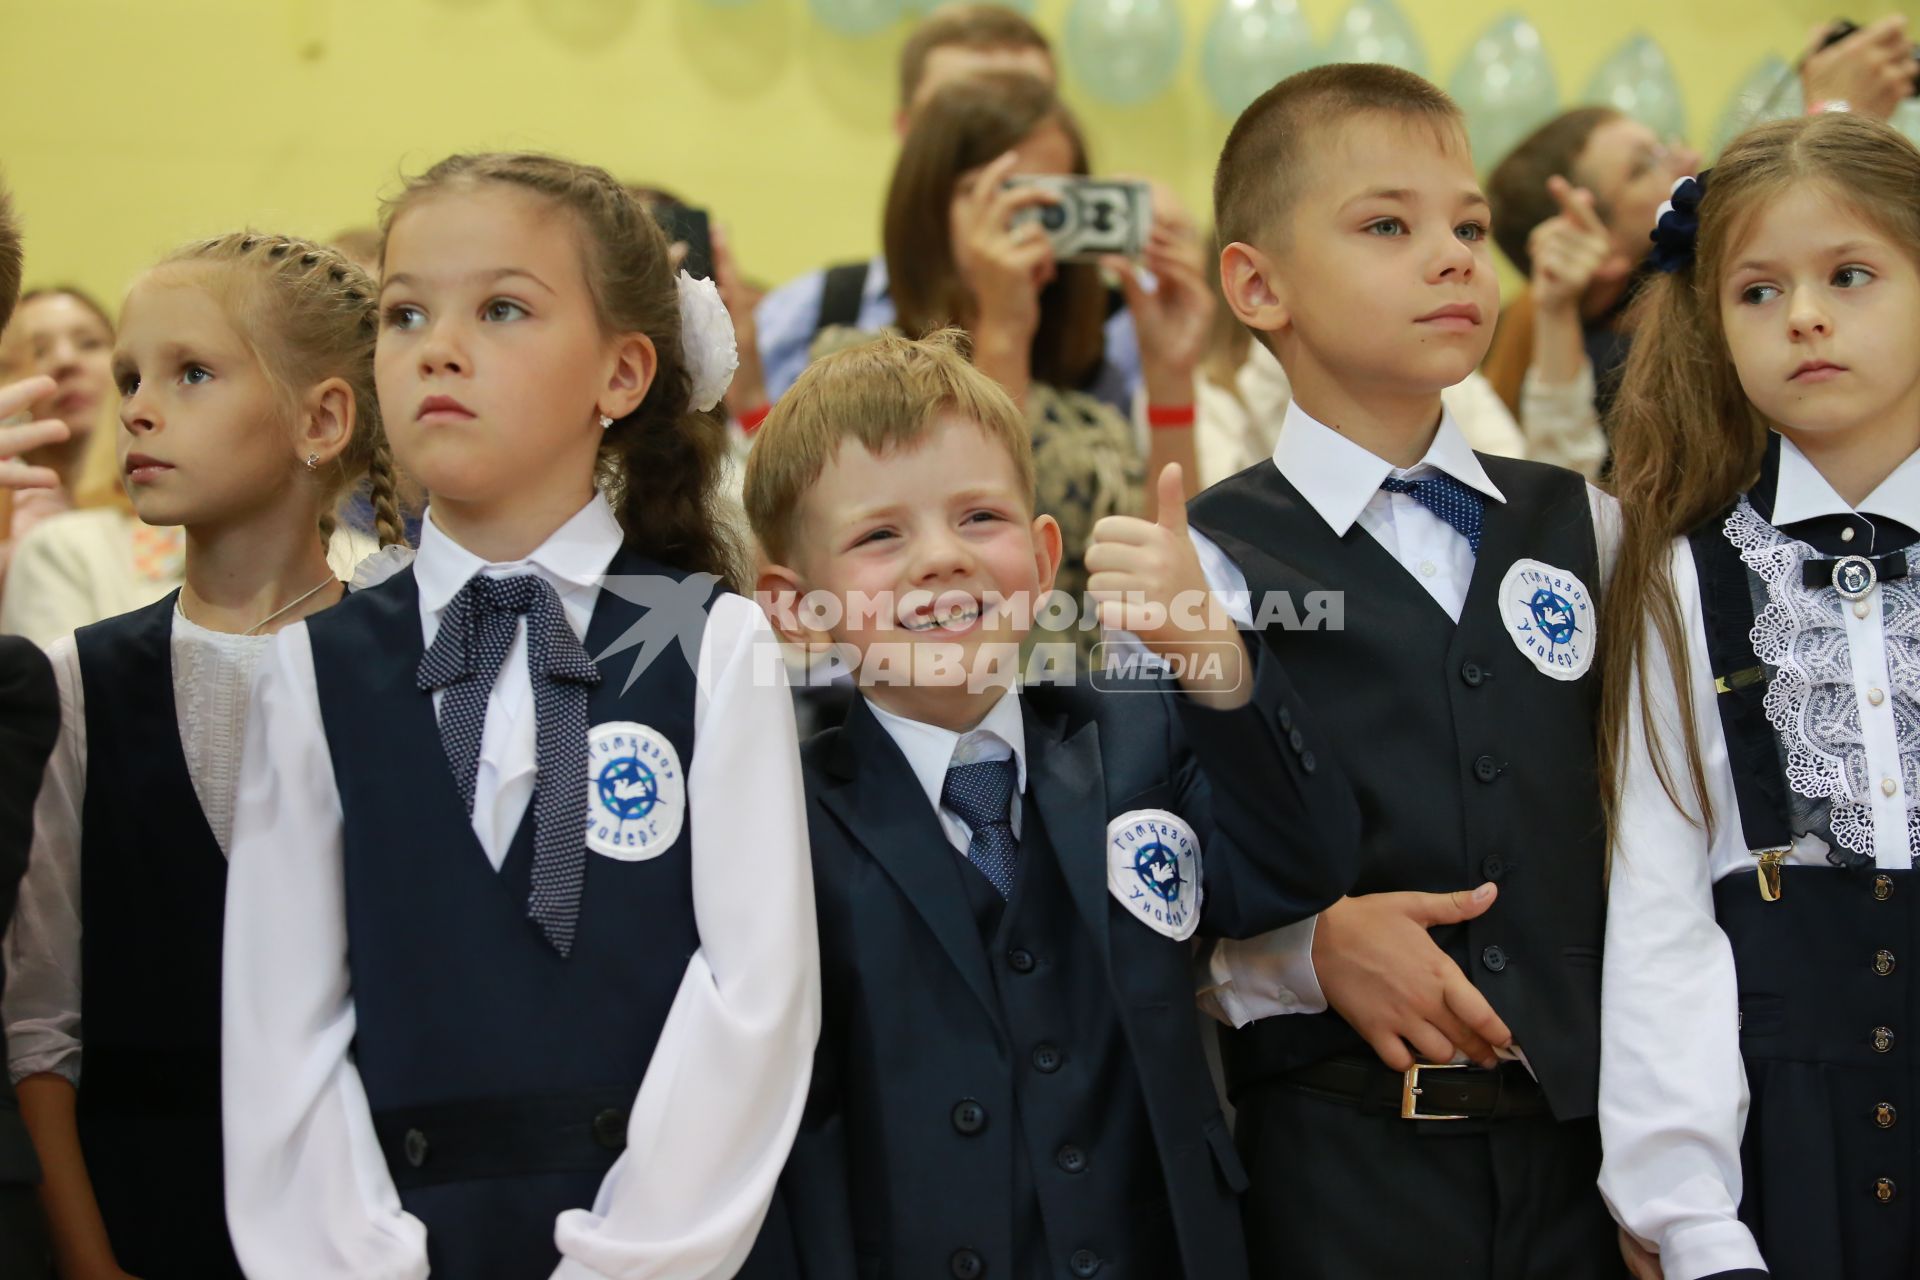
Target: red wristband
1174,415
750,420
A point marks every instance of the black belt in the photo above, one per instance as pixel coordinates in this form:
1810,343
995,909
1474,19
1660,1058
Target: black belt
456,1141
1425,1091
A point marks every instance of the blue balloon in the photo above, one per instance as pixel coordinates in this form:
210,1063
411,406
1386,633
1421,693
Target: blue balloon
1638,80
856,17
1124,51
1250,46
1505,85
1376,31
1771,91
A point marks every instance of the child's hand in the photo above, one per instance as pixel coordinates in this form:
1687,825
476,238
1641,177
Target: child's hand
1146,578
1641,1264
23,438
1382,972
1571,250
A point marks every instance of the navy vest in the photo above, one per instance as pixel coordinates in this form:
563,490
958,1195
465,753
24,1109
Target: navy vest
153,886
1085,1171
499,1074
1470,764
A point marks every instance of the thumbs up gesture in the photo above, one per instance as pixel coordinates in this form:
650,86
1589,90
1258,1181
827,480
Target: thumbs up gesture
1146,578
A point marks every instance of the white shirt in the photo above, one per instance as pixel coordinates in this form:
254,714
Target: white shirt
1273,974
211,674
308,1191
931,751
1673,1091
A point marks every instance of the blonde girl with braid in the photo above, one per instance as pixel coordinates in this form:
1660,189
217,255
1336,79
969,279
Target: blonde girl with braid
245,367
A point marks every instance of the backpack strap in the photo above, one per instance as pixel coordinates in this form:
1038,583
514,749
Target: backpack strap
840,296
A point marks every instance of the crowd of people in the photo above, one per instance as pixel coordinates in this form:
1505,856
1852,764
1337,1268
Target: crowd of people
1063,796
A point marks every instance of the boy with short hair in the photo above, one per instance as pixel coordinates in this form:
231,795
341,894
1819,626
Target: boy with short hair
1009,1081
1459,701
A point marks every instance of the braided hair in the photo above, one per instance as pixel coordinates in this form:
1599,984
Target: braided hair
310,314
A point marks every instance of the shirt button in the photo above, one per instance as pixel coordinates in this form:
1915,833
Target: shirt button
1882,888
415,1147
1860,609
1846,535
1084,1262
1888,786
1020,961
1883,1039
1883,962
1494,958
1426,569
966,1265
1876,696
1071,1159
969,1117
1486,769
1883,1190
1885,1114
1473,674
1047,1059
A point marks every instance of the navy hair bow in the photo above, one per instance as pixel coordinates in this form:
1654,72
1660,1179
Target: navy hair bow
1678,228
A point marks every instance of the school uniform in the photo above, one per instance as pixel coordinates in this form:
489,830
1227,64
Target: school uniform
29,725
122,904
428,1064
1757,1083
1441,619
1009,1081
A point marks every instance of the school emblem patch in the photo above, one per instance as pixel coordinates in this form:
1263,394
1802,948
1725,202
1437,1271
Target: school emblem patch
636,792
1550,615
1153,869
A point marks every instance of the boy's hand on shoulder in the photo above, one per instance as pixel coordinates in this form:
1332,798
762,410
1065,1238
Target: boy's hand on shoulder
1146,578
1382,972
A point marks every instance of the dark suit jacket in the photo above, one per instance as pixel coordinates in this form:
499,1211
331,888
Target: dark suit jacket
29,724
910,1007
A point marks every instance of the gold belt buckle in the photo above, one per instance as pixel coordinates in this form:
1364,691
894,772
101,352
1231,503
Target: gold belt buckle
1410,1091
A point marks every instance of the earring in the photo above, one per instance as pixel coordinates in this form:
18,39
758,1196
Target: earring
313,461
605,422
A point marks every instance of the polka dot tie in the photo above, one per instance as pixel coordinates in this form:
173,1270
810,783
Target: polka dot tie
982,794
1447,498
475,633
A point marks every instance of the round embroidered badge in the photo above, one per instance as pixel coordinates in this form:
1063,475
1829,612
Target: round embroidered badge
636,793
1153,870
1550,615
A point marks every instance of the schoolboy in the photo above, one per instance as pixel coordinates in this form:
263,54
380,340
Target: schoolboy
1009,1081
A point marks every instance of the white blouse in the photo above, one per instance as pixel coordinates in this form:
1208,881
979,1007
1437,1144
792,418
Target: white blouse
1673,1090
212,671
308,1190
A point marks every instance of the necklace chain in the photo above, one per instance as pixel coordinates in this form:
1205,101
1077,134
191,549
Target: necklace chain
296,601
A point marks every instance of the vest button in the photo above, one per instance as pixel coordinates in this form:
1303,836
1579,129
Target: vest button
1494,958
1474,674
1885,1114
1286,719
1882,1039
1071,1159
1882,888
1084,1262
415,1147
1020,960
1883,1189
1296,739
610,1129
1486,768
1493,866
969,1117
1883,962
1308,762
966,1265
1047,1059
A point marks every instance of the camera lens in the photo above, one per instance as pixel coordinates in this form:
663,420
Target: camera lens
1053,217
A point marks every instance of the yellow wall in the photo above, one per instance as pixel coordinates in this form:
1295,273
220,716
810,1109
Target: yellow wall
127,126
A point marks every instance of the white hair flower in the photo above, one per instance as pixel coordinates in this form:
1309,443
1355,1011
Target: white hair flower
706,341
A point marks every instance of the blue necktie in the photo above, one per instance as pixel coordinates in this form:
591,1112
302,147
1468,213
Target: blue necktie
1447,498
475,633
982,794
